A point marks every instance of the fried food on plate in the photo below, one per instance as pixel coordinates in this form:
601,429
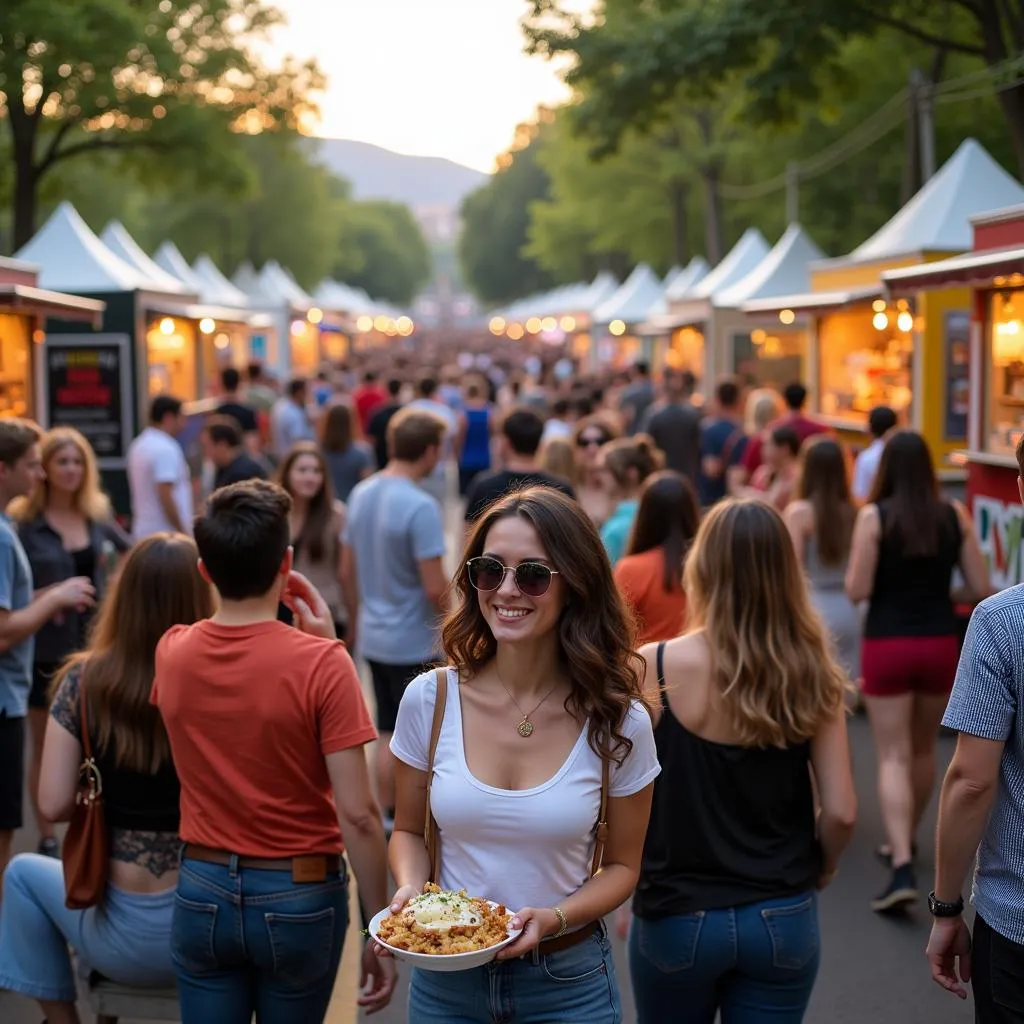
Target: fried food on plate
442,923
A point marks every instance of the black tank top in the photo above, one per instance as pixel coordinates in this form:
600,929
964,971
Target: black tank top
730,825
910,596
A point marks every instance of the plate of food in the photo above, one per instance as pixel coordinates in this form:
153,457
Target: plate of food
442,930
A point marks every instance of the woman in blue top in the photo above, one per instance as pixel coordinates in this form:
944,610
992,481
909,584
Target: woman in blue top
475,454
628,461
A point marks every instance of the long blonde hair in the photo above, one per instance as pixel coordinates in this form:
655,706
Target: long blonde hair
89,500
773,662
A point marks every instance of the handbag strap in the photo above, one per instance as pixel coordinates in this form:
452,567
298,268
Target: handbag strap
430,825
601,832
84,716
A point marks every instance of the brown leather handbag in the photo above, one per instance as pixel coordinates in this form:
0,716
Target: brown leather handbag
86,852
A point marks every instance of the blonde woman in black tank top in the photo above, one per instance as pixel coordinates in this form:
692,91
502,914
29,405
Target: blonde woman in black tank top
748,708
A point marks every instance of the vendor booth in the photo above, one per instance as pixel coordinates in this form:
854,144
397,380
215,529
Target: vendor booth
687,327
994,387
765,353
617,321
144,340
188,342
910,354
24,309
237,332
294,347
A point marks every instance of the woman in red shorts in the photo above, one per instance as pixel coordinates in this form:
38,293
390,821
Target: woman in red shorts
906,543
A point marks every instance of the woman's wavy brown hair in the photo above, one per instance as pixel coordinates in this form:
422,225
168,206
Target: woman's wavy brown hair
772,658
825,485
159,586
595,631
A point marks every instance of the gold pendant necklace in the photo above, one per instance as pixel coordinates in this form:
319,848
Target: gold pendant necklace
525,727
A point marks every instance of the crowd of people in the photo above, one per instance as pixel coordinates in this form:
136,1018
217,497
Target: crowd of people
681,599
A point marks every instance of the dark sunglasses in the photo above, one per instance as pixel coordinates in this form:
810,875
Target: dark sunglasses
590,442
487,574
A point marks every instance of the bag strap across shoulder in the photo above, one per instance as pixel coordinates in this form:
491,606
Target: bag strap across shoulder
83,713
430,825
601,832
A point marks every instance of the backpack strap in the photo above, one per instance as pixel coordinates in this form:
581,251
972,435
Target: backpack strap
601,832
430,825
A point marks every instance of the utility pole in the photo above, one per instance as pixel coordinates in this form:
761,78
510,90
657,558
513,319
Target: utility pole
926,126
792,192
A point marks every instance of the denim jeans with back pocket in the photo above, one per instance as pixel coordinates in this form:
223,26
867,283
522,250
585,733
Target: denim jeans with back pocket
754,964
248,941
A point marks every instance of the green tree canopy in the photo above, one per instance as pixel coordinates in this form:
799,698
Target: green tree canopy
495,219
158,79
380,247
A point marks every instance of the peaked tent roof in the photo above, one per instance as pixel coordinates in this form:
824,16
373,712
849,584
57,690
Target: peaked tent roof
938,218
71,258
215,287
247,279
602,288
341,298
785,270
741,259
691,275
168,258
116,238
633,298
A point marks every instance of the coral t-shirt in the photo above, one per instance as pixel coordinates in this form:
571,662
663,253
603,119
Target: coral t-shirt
251,712
641,581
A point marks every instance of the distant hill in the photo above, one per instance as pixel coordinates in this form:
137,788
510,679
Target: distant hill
418,181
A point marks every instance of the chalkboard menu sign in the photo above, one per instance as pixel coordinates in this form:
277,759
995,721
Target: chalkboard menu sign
87,385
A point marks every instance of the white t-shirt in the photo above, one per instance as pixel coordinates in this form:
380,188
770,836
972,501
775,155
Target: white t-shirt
556,428
524,848
154,457
865,469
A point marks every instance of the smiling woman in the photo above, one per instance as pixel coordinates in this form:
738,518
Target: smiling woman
539,645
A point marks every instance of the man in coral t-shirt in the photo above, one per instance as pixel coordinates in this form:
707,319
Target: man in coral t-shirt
367,397
268,726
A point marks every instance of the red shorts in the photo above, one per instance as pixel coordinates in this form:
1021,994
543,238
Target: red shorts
892,666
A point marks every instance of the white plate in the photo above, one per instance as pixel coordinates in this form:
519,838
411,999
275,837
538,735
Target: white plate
440,961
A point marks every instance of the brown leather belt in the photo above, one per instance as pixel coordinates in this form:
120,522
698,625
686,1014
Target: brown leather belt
568,940
311,868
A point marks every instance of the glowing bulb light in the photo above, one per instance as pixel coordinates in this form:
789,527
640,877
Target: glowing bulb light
207,325
549,323
880,321
617,328
297,328
222,341
364,324
497,325
167,325
533,325
568,324
878,305
404,326
381,323
315,316
515,332
787,316
905,322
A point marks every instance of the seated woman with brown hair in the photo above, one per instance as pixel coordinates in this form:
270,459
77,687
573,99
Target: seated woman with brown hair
127,937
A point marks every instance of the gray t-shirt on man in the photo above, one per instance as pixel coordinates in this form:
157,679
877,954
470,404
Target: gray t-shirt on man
392,526
15,594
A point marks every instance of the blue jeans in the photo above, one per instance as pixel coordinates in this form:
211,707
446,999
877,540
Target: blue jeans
127,938
574,986
245,941
755,963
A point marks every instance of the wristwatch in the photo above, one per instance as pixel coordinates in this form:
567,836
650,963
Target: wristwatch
939,908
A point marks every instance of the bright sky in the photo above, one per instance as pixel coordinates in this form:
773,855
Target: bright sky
425,77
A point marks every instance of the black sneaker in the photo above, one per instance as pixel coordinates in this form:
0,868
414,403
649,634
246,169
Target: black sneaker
49,848
899,894
884,854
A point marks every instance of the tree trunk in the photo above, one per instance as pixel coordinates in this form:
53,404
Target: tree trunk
1012,103
713,229
678,194
26,173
